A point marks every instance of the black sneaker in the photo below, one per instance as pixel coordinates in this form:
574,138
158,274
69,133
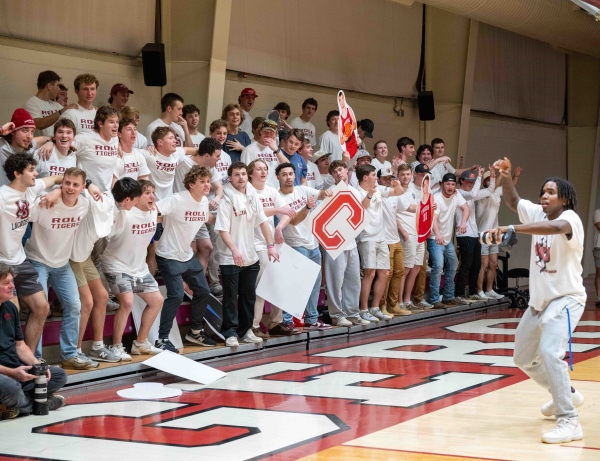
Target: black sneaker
200,339
56,401
165,345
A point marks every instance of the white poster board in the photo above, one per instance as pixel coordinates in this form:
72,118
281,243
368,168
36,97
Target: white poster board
180,365
289,282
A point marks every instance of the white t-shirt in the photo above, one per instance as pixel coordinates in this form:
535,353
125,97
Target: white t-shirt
131,165
184,167
103,218
157,123
330,142
162,171
183,216
375,230
15,212
38,108
328,181
97,158
486,211
313,177
140,141
82,118
307,128
299,235
378,165
409,220
126,250
438,172
270,198
240,228
446,208
391,206
472,197
56,165
256,150
597,232
246,125
197,139
555,262
53,234
222,166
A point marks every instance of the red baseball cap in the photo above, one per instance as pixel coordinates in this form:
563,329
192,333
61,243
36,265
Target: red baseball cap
249,92
22,119
119,87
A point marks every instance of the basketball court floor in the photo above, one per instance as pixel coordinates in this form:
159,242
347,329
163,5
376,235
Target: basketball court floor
441,389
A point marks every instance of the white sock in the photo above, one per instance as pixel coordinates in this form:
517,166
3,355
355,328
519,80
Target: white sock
196,332
79,351
376,308
97,345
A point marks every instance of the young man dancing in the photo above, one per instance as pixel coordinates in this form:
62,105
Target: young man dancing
557,295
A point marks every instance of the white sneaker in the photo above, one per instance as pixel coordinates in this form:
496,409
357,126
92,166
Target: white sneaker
367,315
120,351
376,312
549,410
566,430
492,294
232,341
358,321
250,337
482,295
145,348
342,322
423,305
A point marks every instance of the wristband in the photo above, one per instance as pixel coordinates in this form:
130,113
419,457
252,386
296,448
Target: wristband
369,197
272,245
88,182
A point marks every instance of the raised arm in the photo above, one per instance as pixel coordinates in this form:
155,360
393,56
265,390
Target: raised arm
509,192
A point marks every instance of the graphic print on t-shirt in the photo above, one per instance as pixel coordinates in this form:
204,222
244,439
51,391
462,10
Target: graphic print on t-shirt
543,246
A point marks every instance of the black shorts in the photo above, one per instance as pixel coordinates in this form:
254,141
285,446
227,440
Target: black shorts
26,279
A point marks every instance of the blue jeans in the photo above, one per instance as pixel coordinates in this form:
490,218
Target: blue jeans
443,258
311,314
65,286
174,273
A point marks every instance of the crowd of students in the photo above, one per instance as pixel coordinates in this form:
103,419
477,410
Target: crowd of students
93,208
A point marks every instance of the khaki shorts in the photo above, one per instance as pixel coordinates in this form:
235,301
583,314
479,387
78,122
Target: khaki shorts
84,272
374,255
413,252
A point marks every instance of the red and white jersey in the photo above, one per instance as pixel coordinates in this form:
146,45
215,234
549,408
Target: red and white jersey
53,235
126,251
15,213
270,198
299,235
255,151
56,165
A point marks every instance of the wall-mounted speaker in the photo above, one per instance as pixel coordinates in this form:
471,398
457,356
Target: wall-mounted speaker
426,108
153,61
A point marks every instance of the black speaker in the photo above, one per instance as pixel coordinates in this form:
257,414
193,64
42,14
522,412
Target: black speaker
426,108
153,61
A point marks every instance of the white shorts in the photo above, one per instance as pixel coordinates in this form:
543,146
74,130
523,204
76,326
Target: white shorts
487,250
202,233
374,255
413,252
